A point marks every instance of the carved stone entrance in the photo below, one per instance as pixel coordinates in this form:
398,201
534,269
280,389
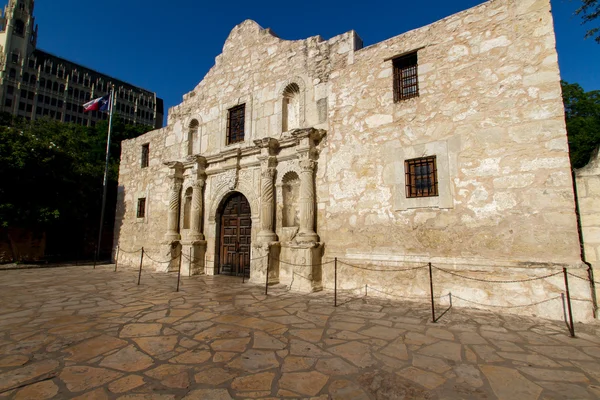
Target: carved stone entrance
235,227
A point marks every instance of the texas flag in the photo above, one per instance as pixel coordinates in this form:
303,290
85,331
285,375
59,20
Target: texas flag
99,104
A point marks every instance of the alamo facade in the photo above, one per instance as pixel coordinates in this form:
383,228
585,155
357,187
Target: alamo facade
446,144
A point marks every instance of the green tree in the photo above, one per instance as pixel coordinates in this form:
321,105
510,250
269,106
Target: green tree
51,177
582,113
589,11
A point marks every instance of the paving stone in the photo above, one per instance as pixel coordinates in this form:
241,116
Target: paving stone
129,359
440,334
334,366
562,352
177,381
13,361
357,353
213,376
265,341
344,389
310,335
98,394
487,353
306,383
567,390
555,375
429,380
509,384
430,363
157,345
295,363
94,347
468,374
382,332
163,371
13,378
396,349
38,391
230,345
208,394
256,382
255,361
302,348
126,384
196,356
81,378
471,338
448,350
139,330
531,359
222,332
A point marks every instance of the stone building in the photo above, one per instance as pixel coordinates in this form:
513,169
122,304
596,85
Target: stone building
35,83
445,144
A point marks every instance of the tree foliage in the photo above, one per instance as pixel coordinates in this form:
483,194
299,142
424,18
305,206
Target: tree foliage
51,174
582,112
589,11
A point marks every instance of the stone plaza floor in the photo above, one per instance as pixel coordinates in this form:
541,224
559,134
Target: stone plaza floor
94,334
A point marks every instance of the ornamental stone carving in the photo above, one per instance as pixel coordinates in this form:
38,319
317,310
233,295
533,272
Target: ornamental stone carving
174,201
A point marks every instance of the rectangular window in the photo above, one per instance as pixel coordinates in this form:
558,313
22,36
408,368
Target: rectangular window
21,106
235,124
141,208
29,108
406,79
10,89
421,177
38,110
30,96
145,155
8,102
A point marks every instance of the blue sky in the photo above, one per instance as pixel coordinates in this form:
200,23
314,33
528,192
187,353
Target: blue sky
168,47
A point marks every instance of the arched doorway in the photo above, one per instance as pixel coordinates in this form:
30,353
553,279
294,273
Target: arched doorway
234,230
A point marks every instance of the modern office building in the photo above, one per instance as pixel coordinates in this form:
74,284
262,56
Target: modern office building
35,83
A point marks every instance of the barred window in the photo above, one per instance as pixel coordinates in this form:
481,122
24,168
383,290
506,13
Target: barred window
145,155
406,79
235,124
141,208
421,177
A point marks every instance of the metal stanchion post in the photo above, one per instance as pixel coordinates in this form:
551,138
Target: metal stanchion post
335,284
95,256
179,272
571,326
190,268
431,289
366,290
117,259
267,272
141,263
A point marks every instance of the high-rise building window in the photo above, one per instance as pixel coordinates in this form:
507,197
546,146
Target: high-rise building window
20,27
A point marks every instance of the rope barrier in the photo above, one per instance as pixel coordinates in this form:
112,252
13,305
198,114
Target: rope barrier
498,306
491,281
583,278
303,265
383,270
130,252
161,262
401,297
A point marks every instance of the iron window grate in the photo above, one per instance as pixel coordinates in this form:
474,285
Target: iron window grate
421,177
406,77
145,155
235,124
141,208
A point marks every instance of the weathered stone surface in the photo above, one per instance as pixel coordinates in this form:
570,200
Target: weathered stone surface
264,341
39,391
157,345
508,384
81,378
355,352
255,360
254,382
213,394
335,366
13,361
447,350
344,389
128,359
94,347
13,378
192,357
294,363
426,379
230,345
138,330
126,384
213,376
306,383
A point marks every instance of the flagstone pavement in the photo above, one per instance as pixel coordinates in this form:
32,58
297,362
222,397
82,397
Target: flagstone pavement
94,334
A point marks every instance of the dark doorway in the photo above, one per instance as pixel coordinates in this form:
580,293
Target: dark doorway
234,236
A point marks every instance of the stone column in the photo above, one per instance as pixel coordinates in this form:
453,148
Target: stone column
196,212
267,204
307,201
174,207
269,148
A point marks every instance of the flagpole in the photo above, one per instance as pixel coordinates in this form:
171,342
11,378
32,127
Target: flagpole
110,120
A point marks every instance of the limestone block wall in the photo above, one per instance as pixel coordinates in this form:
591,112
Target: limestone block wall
490,109
588,194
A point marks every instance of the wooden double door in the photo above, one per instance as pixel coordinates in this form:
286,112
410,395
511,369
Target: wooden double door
236,227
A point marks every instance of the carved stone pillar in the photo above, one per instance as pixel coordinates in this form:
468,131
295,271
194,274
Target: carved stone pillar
307,201
269,147
267,205
174,203
196,212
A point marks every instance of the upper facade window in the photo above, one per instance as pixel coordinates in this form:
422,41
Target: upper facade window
235,124
20,27
406,79
145,155
192,134
421,177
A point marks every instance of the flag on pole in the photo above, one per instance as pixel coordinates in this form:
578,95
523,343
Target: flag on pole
99,104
